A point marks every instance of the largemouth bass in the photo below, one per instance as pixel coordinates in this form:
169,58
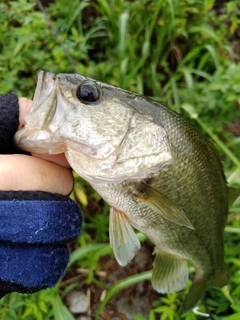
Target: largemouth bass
157,172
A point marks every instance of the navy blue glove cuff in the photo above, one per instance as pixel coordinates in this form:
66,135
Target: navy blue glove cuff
35,230
27,269
39,221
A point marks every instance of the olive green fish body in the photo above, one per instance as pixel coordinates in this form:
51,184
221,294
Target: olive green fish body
156,171
195,181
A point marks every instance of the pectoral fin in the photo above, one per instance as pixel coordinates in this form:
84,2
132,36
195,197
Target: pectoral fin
233,194
123,239
164,206
169,274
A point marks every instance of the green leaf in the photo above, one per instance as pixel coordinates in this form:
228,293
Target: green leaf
214,54
206,31
59,309
83,251
232,229
235,316
27,312
152,315
122,285
190,109
139,318
42,306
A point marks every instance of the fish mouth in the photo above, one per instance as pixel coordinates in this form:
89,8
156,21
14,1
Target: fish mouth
44,101
41,114
47,115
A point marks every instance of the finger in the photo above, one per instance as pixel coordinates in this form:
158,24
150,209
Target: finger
56,158
24,109
22,172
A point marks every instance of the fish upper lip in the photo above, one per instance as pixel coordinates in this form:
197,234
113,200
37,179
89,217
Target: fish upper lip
45,85
49,79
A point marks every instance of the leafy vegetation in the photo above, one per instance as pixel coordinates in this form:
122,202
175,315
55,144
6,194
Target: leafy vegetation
181,53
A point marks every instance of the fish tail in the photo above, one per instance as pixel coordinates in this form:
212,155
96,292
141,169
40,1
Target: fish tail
194,295
221,278
198,288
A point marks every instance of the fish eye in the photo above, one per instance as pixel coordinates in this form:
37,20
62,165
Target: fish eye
88,92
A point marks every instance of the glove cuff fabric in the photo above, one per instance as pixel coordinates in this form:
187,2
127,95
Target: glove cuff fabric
33,239
40,221
29,268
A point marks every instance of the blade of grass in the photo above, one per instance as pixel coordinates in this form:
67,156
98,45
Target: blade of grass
77,10
174,86
219,143
146,44
201,74
233,176
106,8
190,84
214,54
122,285
231,229
190,56
155,82
56,34
189,108
59,309
106,250
83,251
206,31
204,60
123,26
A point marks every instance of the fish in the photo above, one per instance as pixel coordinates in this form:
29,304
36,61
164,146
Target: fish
156,171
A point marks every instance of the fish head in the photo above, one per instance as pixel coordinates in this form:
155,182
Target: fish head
104,137
75,109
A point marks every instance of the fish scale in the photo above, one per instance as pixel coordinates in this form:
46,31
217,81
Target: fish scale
157,172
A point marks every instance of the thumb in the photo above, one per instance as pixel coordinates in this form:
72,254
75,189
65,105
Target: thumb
24,109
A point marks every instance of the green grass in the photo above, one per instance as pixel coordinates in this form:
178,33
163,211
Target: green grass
176,51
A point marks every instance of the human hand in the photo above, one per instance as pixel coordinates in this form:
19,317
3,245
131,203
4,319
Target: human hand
36,226
46,173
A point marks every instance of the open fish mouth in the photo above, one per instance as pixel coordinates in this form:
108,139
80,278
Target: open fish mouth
45,90
43,117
